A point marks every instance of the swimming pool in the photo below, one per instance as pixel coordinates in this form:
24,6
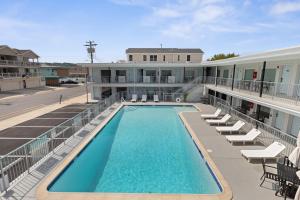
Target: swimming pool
142,149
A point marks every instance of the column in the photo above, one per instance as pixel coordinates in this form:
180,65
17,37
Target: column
262,79
233,74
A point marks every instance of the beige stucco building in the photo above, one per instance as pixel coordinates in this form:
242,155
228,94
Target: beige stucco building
164,55
19,69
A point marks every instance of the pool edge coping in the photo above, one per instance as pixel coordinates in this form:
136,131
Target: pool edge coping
42,192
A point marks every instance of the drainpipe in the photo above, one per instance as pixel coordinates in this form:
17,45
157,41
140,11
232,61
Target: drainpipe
233,76
262,79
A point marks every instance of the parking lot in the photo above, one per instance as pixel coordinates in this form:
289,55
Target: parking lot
16,136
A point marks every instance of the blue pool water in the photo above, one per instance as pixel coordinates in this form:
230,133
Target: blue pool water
143,149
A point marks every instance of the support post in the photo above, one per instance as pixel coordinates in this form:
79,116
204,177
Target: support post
2,175
216,75
262,79
257,114
230,101
233,77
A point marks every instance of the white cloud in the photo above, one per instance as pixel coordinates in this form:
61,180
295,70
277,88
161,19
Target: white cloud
210,14
131,2
178,30
284,7
12,23
166,12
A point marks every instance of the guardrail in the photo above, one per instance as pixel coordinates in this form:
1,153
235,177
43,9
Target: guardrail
18,75
269,133
18,163
284,91
19,63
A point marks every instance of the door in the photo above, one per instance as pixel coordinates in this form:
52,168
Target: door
285,77
295,126
279,120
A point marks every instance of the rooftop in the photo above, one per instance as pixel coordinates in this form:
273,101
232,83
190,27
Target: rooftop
163,50
6,50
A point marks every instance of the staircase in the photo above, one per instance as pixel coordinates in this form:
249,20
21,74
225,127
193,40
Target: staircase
193,91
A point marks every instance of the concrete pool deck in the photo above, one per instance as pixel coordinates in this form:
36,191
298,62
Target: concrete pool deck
242,176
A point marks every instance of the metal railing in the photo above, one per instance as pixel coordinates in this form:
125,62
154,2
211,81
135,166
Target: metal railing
145,79
268,135
19,162
18,75
284,91
19,63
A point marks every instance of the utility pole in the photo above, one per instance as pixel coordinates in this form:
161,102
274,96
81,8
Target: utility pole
91,50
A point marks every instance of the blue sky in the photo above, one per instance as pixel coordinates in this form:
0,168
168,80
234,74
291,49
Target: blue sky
58,29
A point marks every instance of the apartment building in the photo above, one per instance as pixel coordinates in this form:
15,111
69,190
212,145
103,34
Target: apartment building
162,71
265,86
19,69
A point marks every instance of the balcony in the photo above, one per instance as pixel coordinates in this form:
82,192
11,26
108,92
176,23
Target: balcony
18,75
14,63
144,80
272,90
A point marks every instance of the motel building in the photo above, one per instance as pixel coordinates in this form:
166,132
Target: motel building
264,86
161,71
19,69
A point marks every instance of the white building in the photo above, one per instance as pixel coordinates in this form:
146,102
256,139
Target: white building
148,71
265,86
19,69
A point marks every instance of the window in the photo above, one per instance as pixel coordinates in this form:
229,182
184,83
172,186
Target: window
164,58
153,57
188,58
130,57
178,58
144,57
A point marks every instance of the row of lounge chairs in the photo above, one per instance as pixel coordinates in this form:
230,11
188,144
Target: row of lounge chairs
271,152
144,98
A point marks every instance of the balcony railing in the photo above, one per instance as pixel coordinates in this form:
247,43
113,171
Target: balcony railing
271,89
269,133
146,79
18,75
18,63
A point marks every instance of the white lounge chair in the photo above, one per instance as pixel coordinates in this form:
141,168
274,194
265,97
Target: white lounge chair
230,129
271,152
134,98
144,98
249,137
211,116
155,98
224,120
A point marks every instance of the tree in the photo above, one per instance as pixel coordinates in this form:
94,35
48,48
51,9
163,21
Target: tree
221,56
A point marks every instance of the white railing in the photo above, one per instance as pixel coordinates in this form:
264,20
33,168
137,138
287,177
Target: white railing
19,63
269,133
269,89
18,75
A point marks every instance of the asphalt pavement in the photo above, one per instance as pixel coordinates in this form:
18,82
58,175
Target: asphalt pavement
23,101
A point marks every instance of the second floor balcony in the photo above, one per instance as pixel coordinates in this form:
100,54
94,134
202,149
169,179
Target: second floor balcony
144,80
15,63
18,75
255,87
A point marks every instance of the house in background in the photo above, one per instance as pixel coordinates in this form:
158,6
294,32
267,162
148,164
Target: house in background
59,73
19,69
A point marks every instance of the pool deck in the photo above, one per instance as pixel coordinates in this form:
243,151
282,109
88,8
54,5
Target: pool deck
242,176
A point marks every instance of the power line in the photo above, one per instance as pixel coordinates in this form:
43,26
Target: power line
91,49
